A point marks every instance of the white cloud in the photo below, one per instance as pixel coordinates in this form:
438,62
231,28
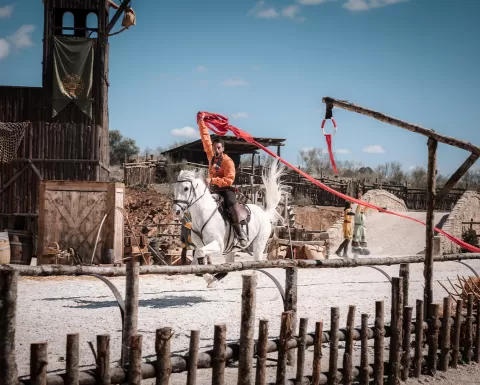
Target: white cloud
22,37
412,167
261,11
255,68
200,68
6,11
365,5
342,151
374,149
240,115
312,2
4,49
291,12
185,132
235,83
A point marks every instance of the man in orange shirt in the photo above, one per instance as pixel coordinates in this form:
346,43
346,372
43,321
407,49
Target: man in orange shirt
221,171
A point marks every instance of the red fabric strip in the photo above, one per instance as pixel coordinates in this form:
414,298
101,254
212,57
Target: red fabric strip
328,138
220,126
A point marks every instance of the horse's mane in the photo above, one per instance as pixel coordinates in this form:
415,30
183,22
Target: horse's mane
191,175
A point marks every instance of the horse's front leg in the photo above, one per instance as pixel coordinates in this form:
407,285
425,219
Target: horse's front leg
213,251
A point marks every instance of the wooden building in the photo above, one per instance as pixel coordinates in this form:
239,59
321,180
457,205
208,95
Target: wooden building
234,147
67,137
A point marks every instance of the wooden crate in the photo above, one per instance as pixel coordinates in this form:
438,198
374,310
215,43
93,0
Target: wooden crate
70,213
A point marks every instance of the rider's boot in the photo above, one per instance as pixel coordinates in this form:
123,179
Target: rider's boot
242,237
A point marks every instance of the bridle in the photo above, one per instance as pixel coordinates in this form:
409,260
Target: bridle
187,202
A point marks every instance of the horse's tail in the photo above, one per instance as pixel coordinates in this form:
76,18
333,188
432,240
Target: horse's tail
273,189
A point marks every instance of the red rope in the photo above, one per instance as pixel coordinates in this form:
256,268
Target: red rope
220,126
328,138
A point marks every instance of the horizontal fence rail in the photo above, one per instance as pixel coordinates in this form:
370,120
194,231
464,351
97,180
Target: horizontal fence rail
57,270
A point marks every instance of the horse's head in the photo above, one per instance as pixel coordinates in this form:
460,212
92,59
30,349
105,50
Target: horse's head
188,188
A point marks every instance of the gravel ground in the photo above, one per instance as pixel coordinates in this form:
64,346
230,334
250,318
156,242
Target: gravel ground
50,308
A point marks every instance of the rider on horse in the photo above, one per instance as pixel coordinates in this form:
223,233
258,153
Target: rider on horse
221,175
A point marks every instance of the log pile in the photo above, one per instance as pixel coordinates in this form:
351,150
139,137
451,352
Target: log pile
149,213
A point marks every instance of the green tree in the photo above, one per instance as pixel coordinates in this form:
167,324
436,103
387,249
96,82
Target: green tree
121,147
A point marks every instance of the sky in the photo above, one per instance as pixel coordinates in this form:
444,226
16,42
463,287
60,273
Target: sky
267,64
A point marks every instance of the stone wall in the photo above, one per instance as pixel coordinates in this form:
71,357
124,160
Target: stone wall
384,199
466,208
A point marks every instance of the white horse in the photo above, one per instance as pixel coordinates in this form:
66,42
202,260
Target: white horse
212,235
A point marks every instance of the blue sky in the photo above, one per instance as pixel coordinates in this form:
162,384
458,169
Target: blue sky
266,65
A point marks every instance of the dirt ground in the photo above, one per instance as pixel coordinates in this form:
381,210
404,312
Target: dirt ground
316,217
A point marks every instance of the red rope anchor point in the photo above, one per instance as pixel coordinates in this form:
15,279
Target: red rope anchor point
220,126
328,138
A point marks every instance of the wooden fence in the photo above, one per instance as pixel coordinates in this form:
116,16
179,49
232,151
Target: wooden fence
449,340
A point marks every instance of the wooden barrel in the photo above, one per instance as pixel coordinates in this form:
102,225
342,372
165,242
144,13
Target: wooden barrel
4,248
21,247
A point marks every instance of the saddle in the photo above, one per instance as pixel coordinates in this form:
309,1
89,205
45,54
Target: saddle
243,210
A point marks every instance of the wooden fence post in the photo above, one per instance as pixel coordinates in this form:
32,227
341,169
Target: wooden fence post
219,354
38,363
8,309
247,331
405,274
261,375
135,361
286,332
379,342
291,279
364,366
467,353
477,334
396,330
433,329
131,301
445,348
302,345
457,325
193,357
162,348
317,353
73,359
333,362
407,332
429,231
103,360
418,357
348,354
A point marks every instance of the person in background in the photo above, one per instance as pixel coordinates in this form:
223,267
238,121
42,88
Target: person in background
359,242
347,230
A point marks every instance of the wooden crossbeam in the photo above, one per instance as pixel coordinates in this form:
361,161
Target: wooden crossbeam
402,124
115,17
456,176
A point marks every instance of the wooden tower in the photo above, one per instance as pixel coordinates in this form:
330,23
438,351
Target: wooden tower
67,138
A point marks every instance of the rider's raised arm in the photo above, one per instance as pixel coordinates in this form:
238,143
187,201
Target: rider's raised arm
229,174
205,137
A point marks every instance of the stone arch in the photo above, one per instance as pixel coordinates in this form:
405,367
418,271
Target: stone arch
384,199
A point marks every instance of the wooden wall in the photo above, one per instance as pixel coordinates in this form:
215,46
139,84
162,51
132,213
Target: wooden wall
71,212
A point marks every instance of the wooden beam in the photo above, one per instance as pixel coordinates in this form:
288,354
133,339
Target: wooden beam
457,175
430,226
117,15
402,124
13,178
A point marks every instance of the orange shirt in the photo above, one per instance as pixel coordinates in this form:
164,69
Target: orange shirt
221,171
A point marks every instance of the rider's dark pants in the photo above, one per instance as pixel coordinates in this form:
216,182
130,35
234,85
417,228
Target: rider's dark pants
228,195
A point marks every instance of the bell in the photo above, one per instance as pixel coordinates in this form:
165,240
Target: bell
129,18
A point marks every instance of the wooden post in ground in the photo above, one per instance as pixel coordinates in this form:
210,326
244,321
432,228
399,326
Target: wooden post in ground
135,361
396,331
38,363
433,329
445,348
261,375
219,354
348,354
302,345
405,274
333,359
103,360
247,329
429,232
131,300
291,279
379,342
286,332
162,349
193,357
418,356
364,366
73,359
407,329
317,353
8,308
457,325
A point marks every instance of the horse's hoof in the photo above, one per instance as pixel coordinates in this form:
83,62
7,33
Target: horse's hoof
211,285
209,278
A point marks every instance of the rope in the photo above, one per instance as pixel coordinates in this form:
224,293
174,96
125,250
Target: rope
220,126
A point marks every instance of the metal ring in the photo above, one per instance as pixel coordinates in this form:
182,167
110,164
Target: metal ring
334,126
